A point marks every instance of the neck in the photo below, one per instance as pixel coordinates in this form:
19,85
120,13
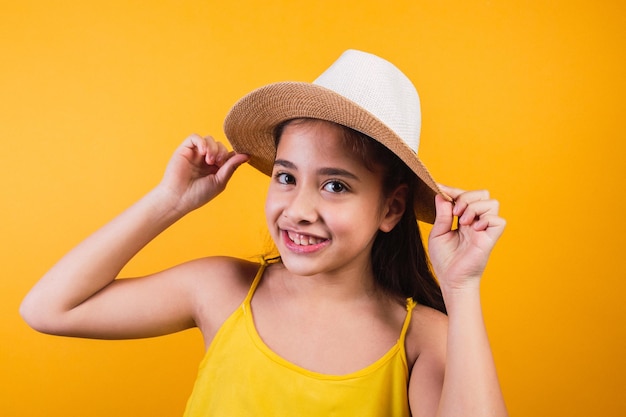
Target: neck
347,285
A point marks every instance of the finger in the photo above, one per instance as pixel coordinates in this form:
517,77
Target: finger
492,222
451,191
463,200
197,142
233,162
474,195
212,150
444,217
457,193
222,154
476,209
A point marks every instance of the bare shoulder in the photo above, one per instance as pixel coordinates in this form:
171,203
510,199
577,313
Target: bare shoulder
219,286
221,270
427,334
426,354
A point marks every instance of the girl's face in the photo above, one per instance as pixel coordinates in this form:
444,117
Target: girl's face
324,206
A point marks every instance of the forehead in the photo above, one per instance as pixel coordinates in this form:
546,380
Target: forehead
324,140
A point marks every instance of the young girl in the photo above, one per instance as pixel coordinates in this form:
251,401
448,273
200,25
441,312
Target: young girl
349,320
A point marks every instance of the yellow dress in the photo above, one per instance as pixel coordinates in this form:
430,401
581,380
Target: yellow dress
240,376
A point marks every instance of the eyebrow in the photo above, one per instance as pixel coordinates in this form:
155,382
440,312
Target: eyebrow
328,171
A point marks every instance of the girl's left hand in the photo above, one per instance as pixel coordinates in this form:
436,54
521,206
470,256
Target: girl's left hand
459,256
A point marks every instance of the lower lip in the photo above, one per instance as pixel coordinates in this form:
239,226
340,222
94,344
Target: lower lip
293,247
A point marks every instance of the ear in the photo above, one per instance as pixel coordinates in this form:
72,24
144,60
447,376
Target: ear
394,208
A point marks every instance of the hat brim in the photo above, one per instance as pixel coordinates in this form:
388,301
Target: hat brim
250,124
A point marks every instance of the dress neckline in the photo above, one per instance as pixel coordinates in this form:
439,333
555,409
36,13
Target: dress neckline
397,349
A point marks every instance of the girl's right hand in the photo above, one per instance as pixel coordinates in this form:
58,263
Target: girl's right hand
198,171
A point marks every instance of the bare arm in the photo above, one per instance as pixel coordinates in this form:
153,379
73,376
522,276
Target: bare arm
456,376
80,296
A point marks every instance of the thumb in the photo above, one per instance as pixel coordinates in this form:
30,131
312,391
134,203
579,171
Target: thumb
443,218
226,171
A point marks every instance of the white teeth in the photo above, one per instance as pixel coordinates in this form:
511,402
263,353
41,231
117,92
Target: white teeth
303,240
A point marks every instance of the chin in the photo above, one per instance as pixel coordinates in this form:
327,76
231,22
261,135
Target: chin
300,267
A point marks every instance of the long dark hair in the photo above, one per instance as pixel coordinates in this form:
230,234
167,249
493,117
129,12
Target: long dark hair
399,261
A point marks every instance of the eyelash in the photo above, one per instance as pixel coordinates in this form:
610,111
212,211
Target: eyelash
288,179
281,178
344,187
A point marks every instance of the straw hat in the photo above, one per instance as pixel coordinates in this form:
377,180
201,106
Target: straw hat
360,91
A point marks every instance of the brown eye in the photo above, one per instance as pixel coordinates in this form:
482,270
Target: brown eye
284,178
335,187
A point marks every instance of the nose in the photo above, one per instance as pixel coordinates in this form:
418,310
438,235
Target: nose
302,207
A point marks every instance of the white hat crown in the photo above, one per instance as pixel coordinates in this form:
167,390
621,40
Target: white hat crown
378,87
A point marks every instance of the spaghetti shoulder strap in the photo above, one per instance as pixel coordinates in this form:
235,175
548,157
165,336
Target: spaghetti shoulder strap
256,280
410,305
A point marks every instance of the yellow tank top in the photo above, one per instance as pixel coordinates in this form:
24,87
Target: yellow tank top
241,376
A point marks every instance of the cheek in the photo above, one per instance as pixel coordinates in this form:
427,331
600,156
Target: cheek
367,218
358,221
273,206
269,207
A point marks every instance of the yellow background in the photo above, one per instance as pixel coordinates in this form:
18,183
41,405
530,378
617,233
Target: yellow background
522,97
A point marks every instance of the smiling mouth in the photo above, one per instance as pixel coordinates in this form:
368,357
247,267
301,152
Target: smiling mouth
304,240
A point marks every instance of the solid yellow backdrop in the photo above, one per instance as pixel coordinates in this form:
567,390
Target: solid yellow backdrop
523,98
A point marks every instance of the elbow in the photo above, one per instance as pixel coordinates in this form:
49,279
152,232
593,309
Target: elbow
36,317
29,314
